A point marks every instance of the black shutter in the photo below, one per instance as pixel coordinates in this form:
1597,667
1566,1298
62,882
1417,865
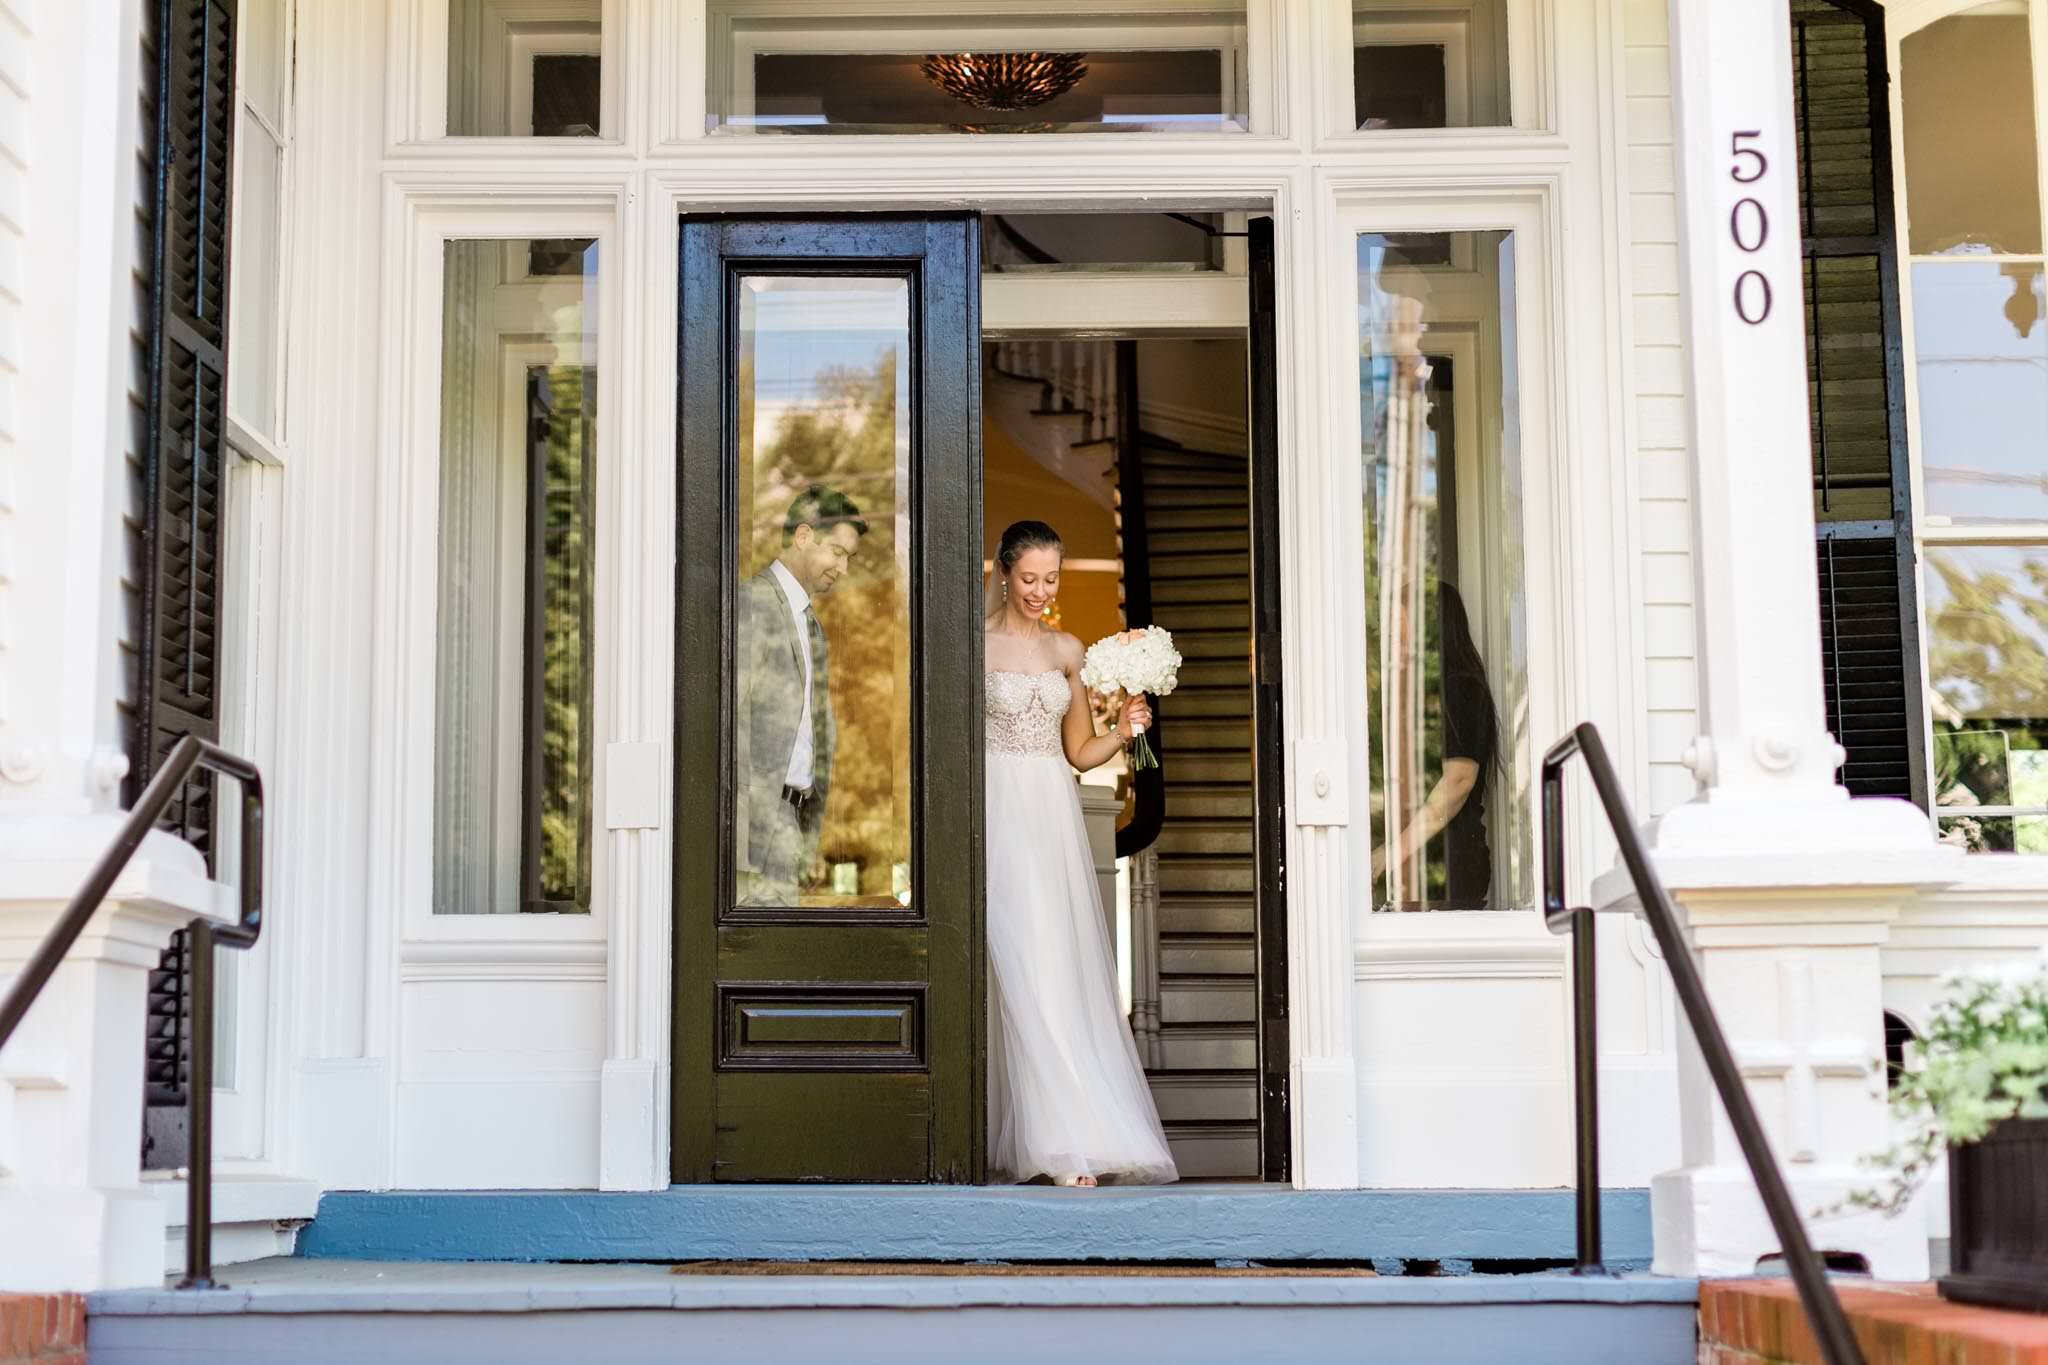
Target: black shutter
1856,382
184,477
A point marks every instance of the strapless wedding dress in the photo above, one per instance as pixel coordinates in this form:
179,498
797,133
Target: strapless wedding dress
1066,1094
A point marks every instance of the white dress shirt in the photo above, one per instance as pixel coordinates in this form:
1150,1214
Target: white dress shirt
801,759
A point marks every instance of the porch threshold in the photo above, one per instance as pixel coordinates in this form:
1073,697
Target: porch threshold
331,1312
295,1285
1456,1229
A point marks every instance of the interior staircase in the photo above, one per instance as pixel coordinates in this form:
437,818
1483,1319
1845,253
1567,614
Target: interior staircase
1195,982
1202,1058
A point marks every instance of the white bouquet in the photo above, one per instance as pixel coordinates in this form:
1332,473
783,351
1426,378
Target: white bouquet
1134,662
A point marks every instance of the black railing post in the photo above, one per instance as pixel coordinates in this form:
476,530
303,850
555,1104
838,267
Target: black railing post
1585,1016
1823,1310
199,1116
1586,1093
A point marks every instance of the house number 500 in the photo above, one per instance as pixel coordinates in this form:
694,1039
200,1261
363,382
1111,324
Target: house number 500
1749,227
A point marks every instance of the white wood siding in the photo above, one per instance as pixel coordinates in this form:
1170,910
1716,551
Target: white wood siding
1657,355
14,163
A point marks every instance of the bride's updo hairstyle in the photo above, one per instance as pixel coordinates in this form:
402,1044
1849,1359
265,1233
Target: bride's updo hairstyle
1017,538
1020,536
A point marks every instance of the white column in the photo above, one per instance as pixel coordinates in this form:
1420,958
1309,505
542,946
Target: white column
73,1214
1788,886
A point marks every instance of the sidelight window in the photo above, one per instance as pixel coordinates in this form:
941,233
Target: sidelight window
513,724
1446,647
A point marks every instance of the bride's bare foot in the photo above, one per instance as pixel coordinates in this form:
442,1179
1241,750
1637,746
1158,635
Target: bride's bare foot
1077,1182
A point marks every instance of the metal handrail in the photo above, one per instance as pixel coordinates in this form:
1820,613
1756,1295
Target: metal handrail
1816,1296
191,752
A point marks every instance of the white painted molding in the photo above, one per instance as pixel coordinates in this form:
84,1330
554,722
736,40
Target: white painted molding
1127,303
362,397
1440,952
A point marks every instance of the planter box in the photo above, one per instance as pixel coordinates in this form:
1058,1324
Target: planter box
1998,1218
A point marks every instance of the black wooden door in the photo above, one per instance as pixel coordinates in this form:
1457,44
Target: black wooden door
828,883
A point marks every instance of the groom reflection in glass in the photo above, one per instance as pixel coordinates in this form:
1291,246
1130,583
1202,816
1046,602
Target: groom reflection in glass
782,711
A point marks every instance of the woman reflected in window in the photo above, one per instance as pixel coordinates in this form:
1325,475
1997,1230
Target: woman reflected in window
1456,804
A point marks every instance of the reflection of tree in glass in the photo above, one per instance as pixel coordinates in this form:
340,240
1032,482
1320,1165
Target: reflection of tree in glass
1987,662
845,435
566,624
1986,656
1402,532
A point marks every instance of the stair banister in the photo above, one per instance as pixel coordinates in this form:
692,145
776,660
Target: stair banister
190,752
1823,1310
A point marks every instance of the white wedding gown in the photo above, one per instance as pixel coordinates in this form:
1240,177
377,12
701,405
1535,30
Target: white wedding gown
1066,1093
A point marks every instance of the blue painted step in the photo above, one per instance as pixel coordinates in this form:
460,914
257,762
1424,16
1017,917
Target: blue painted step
967,1223
315,1312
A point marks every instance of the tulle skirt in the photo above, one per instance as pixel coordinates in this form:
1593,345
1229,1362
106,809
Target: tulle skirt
1066,1093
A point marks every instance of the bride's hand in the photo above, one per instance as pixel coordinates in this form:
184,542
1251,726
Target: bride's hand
1137,715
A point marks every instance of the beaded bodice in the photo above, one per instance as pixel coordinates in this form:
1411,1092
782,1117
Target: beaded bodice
1024,711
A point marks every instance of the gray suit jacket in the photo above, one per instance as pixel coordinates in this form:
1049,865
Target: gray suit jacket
768,705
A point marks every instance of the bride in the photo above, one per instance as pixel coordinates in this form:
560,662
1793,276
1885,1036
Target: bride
1067,1098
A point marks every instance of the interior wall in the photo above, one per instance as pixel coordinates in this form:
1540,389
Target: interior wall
1193,390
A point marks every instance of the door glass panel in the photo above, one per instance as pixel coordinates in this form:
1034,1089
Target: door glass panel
1122,66
821,714
1446,652
1980,333
1987,680
516,621
526,70
1972,171
1429,65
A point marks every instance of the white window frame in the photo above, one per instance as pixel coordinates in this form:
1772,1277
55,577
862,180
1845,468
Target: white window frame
519,30
409,484
249,1069
1451,24
1930,533
1546,508
658,161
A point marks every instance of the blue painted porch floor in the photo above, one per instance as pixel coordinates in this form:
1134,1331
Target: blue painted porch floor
313,1311
1187,1224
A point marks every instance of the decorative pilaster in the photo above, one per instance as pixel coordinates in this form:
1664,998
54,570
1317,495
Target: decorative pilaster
1788,886
73,1212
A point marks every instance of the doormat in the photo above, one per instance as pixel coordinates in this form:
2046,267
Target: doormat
997,1268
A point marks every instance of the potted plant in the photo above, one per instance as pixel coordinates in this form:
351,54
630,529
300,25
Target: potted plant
1976,1087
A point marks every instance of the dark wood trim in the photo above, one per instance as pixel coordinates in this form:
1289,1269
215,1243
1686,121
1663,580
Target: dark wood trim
1148,786
939,256
1877,47
1883,246
1269,759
